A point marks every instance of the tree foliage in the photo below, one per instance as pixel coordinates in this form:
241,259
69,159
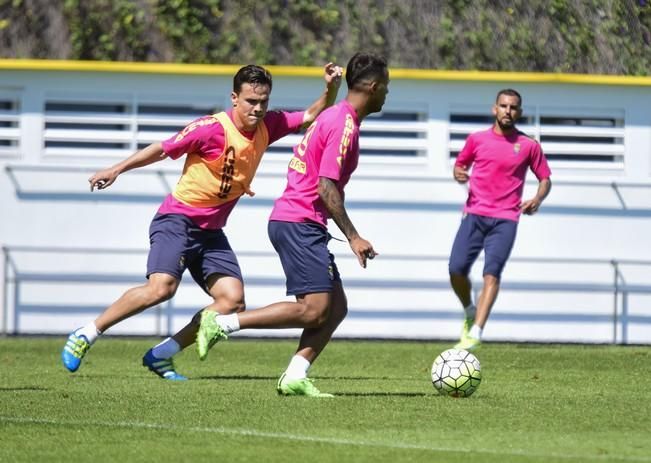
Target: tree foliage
582,36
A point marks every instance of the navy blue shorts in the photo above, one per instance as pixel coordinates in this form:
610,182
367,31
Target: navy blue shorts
178,243
494,236
303,249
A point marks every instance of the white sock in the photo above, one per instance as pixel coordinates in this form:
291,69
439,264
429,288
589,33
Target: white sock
470,310
476,331
297,368
90,331
229,323
166,349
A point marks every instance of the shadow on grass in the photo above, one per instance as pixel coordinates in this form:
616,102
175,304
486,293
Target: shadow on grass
361,378
381,394
266,378
24,388
238,377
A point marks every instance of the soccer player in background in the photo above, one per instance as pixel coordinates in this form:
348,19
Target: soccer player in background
318,172
499,158
223,153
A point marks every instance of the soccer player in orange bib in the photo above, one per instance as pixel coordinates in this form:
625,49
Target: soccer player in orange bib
223,153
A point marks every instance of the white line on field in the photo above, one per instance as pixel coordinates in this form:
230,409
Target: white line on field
316,439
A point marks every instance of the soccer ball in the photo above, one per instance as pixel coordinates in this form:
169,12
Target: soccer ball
456,373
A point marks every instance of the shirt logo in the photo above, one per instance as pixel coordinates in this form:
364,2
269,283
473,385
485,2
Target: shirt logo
516,148
345,139
200,123
297,165
302,147
228,170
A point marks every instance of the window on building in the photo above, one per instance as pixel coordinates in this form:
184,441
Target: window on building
580,139
9,125
113,128
389,133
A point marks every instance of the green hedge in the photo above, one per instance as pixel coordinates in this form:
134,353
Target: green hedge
583,36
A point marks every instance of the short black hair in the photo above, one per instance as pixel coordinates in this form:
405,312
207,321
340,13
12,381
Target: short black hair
253,75
365,66
509,92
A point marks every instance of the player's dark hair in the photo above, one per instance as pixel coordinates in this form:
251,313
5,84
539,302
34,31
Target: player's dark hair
253,75
365,66
509,92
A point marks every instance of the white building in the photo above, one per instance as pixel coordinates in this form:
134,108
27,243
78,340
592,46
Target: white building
580,270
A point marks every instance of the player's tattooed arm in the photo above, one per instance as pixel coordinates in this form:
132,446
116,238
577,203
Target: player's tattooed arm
334,203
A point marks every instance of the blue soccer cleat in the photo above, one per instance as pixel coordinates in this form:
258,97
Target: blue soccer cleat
162,367
74,350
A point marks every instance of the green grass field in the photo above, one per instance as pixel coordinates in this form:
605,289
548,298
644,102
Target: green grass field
537,403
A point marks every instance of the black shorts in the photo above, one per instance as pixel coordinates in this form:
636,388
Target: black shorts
178,243
476,232
303,249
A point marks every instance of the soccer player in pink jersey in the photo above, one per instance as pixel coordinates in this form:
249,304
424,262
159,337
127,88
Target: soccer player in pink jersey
499,158
222,154
318,172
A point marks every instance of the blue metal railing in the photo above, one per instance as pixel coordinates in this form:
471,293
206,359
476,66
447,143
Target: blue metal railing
616,187
620,318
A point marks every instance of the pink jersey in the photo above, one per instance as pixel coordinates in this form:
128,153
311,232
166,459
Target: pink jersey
206,138
330,148
499,167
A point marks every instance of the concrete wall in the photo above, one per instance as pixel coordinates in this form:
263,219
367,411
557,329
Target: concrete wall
72,252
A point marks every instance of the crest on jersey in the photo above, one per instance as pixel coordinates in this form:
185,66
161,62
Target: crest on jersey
516,148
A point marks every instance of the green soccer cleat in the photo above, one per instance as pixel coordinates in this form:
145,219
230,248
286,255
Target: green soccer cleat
209,333
299,387
469,344
467,324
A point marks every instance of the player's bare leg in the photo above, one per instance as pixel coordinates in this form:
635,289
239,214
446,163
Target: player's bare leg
159,288
487,299
294,380
315,312
228,293
462,287
314,340
308,312
228,297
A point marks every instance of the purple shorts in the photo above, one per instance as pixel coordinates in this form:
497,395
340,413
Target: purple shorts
303,250
178,243
494,236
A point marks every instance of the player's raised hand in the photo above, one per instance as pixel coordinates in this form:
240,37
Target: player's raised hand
102,179
363,250
461,174
333,74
